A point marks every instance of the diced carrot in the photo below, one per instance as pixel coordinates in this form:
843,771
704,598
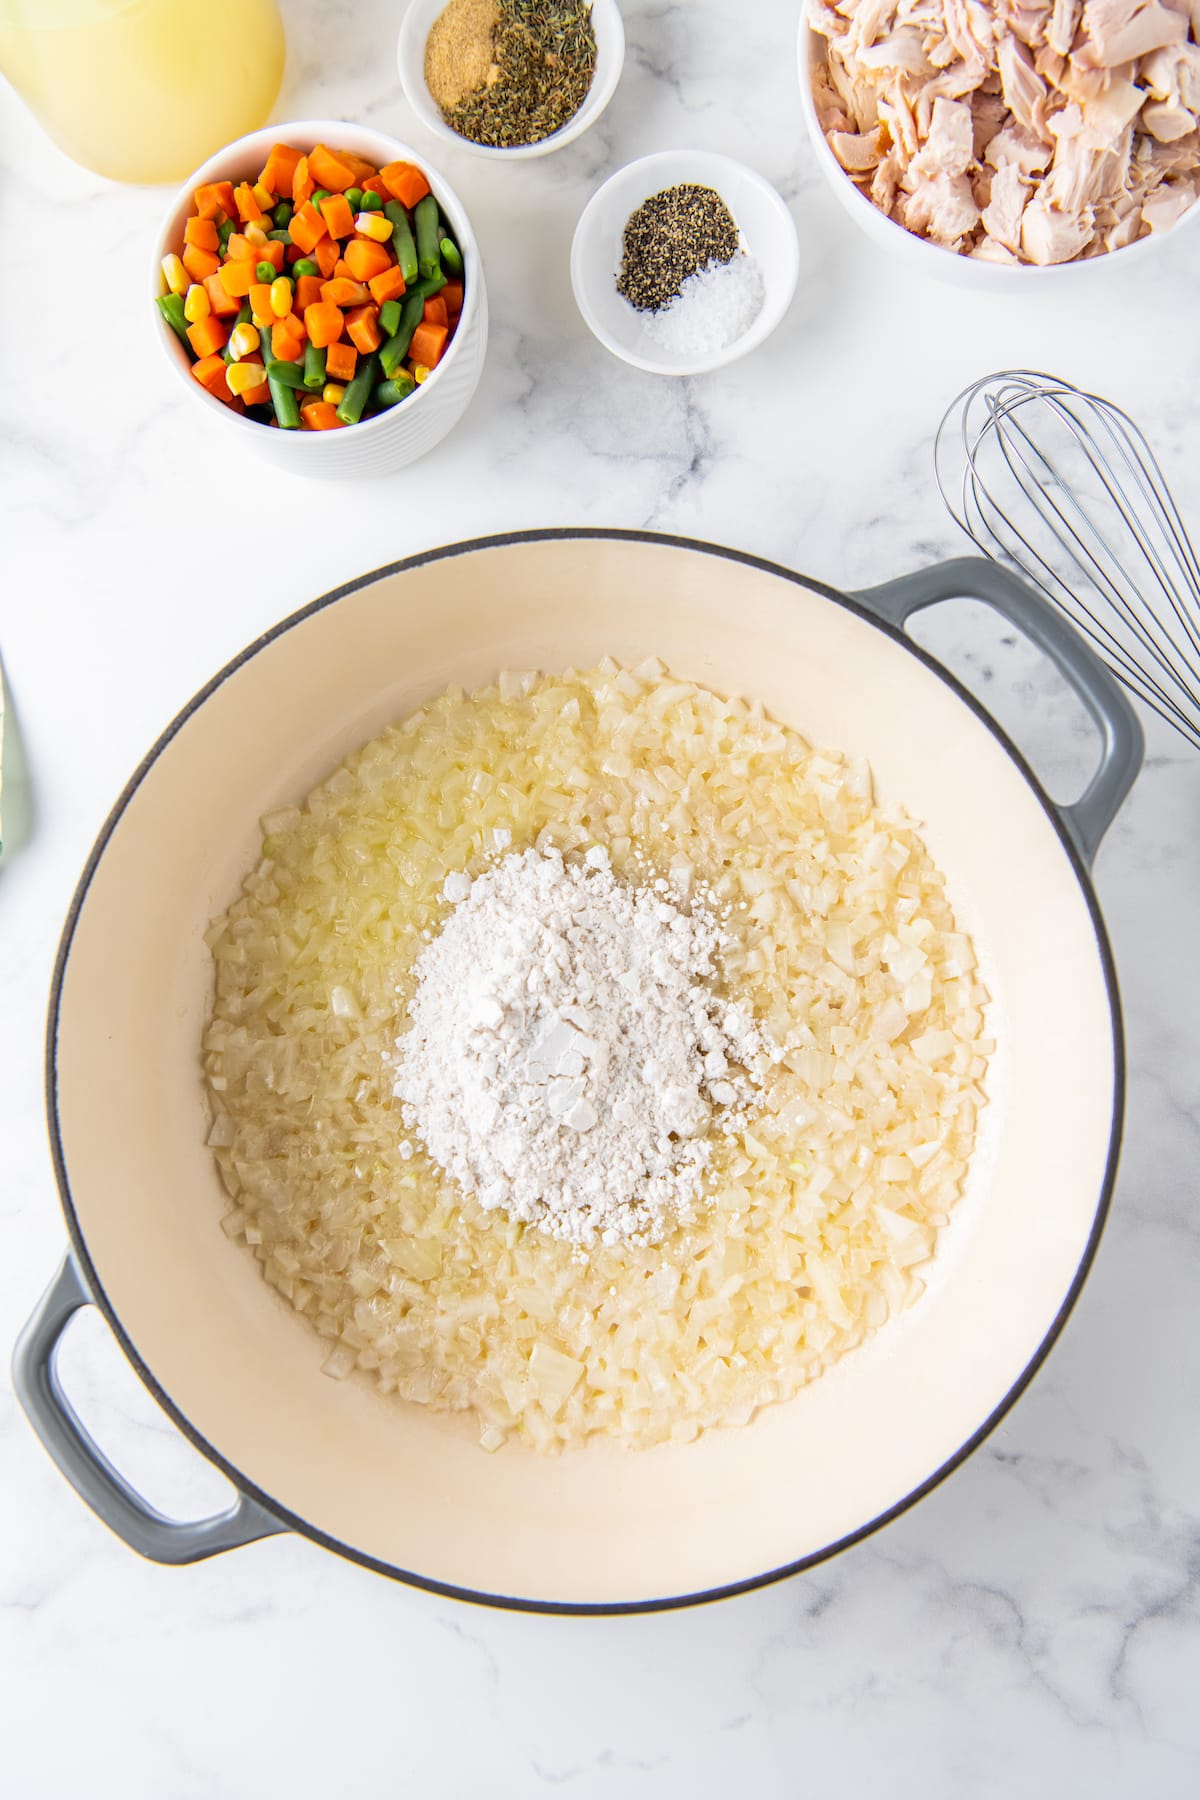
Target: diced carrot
387,285
320,415
219,298
435,311
307,227
210,373
364,258
240,249
287,340
238,277
302,183
207,334
261,310
340,360
273,252
344,293
202,233
362,169
199,263
405,182
214,197
280,168
428,342
375,184
341,270
339,220
452,294
362,328
293,253
328,171
323,321
247,206
308,291
328,255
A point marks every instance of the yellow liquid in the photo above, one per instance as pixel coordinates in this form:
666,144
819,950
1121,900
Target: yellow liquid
143,90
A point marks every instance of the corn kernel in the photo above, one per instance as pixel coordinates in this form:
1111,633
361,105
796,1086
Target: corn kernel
281,297
243,340
196,304
254,234
373,225
334,392
175,275
242,376
263,195
420,372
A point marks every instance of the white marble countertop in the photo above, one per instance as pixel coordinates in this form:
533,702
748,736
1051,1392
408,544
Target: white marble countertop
1032,1628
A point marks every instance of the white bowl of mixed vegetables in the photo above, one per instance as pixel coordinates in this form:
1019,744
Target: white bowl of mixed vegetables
318,287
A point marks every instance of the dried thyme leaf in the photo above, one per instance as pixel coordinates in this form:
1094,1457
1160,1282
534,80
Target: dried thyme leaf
544,60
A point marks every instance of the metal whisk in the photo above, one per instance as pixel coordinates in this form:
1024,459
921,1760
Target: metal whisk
1065,486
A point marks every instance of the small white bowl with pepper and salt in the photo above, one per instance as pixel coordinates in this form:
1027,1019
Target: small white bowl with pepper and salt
684,261
509,79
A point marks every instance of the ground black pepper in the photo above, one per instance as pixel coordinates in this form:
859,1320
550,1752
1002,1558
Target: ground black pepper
669,237
544,58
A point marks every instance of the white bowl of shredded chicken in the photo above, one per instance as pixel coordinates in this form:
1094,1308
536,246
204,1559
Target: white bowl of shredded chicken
1017,140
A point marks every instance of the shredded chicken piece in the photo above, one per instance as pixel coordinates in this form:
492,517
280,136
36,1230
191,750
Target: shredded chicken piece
1031,131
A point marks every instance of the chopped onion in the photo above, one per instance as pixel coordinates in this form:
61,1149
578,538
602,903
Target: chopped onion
821,1217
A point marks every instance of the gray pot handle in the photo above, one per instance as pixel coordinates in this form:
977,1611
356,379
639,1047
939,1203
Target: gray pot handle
1121,738
35,1377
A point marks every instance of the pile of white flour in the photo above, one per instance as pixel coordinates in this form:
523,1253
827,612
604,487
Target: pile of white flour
567,1050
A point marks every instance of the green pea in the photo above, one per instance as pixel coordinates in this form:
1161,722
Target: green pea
306,266
371,201
355,198
319,194
265,271
225,232
283,214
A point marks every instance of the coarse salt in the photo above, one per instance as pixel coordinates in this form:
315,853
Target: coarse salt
568,1049
713,309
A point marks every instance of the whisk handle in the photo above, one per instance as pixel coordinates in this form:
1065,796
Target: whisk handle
1121,742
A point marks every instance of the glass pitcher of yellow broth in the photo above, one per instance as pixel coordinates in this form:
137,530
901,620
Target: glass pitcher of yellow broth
143,90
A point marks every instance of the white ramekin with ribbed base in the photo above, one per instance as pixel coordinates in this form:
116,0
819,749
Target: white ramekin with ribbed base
405,432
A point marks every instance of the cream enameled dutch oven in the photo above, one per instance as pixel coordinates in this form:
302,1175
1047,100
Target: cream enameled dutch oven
410,1493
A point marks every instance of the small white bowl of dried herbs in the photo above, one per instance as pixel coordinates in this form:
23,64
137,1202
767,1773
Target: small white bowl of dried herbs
510,78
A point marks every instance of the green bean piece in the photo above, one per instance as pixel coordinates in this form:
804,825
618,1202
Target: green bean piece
306,266
390,393
265,272
403,242
354,198
319,194
425,218
389,317
393,352
283,214
171,308
359,391
286,374
314,369
280,237
283,399
225,232
370,202
452,256
427,286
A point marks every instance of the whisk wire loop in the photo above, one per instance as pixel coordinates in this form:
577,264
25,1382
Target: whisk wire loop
1065,486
